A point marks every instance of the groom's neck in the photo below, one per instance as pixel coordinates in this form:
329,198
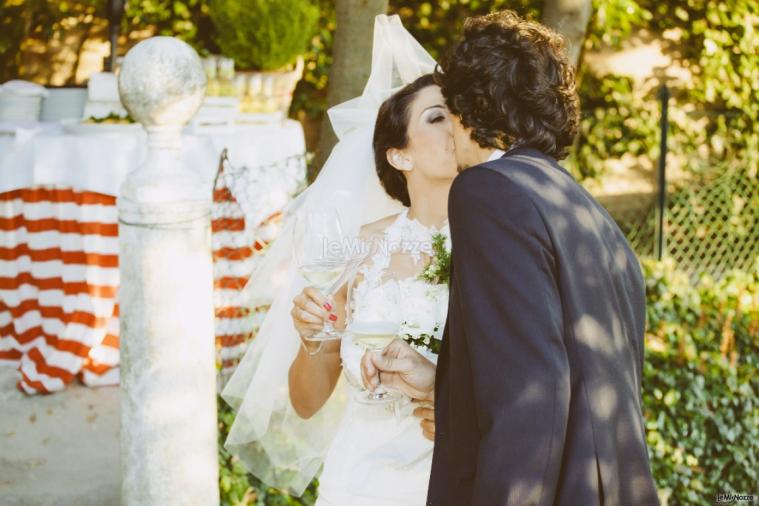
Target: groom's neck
484,154
478,155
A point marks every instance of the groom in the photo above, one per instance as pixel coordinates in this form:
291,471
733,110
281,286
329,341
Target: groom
538,386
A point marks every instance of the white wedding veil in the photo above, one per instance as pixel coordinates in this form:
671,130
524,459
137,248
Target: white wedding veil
275,444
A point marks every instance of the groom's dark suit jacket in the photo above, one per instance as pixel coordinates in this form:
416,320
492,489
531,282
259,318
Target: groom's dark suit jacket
538,389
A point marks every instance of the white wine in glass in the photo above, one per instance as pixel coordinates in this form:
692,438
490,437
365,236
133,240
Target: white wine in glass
374,336
317,240
322,275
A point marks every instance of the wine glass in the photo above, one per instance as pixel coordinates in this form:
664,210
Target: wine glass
373,314
383,306
318,252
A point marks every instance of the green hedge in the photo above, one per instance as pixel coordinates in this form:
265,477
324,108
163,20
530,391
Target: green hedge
699,392
700,383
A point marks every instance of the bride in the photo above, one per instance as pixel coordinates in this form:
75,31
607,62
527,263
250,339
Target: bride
298,402
375,458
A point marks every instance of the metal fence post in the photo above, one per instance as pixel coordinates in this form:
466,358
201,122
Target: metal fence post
662,200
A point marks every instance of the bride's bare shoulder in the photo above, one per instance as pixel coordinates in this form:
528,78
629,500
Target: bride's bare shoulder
378,227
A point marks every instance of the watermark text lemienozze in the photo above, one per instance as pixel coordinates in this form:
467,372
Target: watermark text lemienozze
734,498
353,247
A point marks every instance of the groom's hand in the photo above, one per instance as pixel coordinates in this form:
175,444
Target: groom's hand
427,413
400,367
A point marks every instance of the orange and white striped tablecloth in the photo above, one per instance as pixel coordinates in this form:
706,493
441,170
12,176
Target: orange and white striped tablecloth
235,251
59,272
59,278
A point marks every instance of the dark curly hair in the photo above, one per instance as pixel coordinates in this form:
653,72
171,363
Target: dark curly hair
391,131
511,82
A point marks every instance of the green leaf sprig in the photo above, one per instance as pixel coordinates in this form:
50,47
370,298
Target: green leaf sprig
438,271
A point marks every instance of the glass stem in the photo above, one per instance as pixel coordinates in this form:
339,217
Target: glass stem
380,390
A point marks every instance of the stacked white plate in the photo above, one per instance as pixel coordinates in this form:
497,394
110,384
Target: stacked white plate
103,96
21,101
63,103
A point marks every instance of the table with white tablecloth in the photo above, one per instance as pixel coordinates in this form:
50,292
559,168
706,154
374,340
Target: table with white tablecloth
59,239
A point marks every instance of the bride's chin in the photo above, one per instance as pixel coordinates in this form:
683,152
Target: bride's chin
447,178
451,175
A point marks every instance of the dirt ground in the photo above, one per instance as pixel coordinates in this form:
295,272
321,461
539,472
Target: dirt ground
59,449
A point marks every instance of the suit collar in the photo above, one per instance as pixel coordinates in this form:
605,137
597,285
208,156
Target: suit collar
534,153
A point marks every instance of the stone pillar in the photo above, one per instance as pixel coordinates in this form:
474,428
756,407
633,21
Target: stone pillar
168,384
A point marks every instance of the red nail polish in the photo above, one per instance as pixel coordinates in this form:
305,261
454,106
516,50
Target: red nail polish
333,317
328,306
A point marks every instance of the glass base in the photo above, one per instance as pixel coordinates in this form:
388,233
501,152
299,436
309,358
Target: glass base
324,335
379,396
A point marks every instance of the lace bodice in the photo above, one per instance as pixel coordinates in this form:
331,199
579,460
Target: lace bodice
423,306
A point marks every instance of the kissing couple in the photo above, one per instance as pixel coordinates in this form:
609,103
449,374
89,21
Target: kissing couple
515,376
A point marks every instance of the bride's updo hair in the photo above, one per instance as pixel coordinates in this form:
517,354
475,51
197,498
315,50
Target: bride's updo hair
391,131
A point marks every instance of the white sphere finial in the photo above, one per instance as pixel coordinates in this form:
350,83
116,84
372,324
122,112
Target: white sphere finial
162,85
162,82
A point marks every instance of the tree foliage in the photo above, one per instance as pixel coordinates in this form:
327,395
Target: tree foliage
436,24
715,101
37,21
187,20
311,93
263,34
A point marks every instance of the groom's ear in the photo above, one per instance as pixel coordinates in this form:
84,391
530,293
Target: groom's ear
399,160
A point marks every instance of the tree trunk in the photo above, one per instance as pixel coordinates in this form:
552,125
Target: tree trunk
351,63
569,18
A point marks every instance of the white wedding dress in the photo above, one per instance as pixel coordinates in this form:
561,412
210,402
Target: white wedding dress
378,456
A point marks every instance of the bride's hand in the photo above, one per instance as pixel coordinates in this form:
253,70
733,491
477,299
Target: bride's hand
427,413
310,312
401,367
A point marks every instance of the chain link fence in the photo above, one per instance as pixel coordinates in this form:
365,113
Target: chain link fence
245,218
711,224
707,223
